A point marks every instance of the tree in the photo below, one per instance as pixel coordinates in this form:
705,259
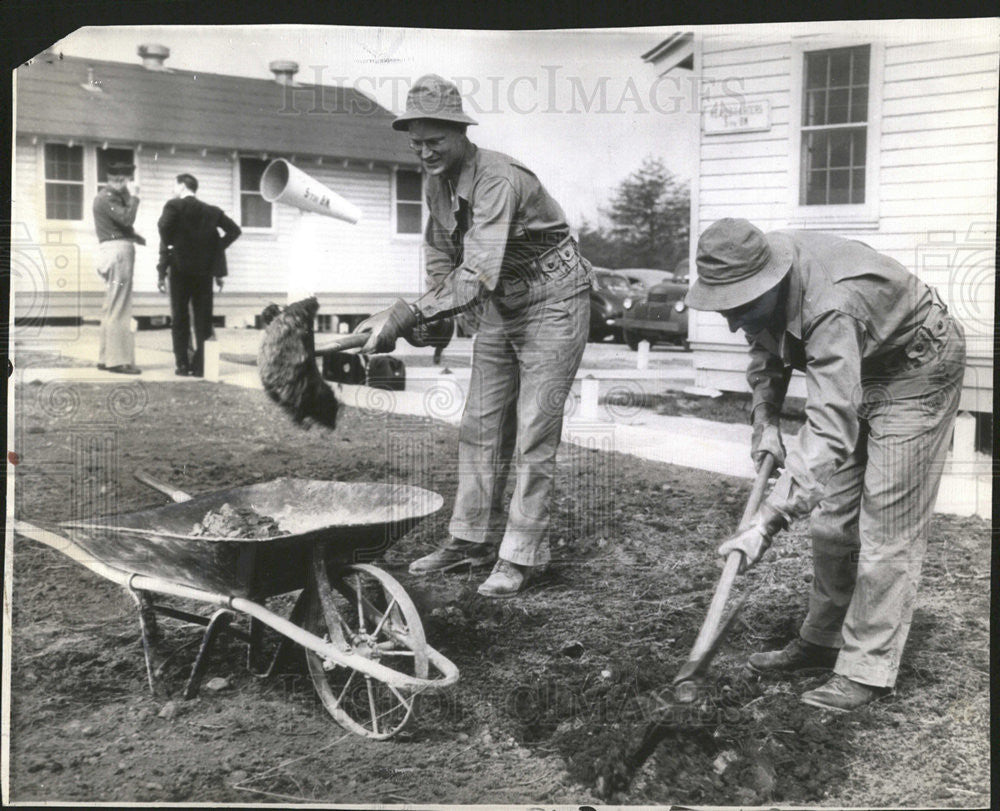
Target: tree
649,216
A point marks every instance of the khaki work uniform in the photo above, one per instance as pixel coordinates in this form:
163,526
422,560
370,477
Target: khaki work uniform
884,363
500,229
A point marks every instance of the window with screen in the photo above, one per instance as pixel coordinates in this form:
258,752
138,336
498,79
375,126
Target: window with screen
409,202
63,182
255,211
105,157
834,126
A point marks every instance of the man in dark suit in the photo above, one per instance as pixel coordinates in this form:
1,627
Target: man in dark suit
193,252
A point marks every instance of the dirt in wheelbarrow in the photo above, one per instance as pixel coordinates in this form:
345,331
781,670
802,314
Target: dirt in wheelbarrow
555,684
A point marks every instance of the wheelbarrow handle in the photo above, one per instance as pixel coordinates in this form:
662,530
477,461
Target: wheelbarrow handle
163,487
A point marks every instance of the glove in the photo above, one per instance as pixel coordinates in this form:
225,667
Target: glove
766,437
161,284
387,326
435,333
756,539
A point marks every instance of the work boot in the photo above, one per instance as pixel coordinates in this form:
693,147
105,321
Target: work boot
452,555
796,655
842,694
506,579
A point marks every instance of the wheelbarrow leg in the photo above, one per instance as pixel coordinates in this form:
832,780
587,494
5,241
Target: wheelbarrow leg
256,639
150,635
219,621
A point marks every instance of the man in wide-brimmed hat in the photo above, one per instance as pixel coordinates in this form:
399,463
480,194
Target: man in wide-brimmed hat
115,207
495,241
884,363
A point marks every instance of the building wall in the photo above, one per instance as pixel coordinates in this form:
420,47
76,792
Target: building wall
936,174
358,266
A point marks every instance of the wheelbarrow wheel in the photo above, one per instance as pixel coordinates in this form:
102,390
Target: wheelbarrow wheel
368,613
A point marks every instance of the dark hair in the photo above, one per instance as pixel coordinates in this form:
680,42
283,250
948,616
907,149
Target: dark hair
190,181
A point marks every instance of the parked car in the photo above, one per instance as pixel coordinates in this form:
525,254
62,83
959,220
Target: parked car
659,315
641,279
606,304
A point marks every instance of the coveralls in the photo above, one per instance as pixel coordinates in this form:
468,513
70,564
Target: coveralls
884,363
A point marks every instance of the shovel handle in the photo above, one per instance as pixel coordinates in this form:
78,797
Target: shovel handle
167,489
341,342
732,566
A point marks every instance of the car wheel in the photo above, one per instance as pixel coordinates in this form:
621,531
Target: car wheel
631,339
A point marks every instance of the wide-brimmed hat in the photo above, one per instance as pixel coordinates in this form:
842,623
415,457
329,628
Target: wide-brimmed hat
121,169
435,98
736,264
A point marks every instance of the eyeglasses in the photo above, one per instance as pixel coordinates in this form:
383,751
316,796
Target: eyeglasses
433,144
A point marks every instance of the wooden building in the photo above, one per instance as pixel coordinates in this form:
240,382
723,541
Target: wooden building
885,132
74,115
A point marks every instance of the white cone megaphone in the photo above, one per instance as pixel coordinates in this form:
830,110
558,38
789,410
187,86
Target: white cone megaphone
284,183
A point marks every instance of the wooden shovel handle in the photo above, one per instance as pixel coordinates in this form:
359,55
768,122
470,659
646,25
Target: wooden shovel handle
715,609
339,343
167,489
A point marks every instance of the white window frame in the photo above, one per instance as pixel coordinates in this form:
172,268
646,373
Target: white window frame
89,174
846,217
423,207
238,200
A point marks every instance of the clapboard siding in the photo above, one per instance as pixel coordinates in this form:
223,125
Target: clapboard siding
955,66
937,171
940,85
972,99
934,52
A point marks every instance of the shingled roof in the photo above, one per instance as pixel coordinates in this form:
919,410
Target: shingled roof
202,110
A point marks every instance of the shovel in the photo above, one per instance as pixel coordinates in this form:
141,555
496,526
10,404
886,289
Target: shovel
713,629
617,771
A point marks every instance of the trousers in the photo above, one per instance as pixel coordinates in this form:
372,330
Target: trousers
190,296
524,362
869,533
115,266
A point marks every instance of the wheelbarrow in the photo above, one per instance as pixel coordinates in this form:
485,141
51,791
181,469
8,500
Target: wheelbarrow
364,642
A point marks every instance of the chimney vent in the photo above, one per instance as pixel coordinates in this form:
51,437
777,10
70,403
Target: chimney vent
153,56
284,71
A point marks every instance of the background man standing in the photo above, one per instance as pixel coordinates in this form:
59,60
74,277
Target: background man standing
884,363
115,207
497,241
193,253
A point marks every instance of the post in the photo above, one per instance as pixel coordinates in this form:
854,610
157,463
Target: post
588,399
642,359
211,360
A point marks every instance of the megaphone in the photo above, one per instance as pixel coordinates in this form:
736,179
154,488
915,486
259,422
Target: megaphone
284,183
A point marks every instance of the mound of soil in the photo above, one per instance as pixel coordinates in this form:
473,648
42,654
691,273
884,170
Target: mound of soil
236,522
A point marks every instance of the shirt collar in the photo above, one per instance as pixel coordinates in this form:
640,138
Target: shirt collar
793,303
463,189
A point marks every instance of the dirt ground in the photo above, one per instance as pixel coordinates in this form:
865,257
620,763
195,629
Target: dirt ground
555,685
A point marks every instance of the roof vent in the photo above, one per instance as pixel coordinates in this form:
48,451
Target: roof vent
153,56
92,85
284,71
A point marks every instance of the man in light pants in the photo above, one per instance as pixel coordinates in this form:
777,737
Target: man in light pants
495,240
114,213
884,363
